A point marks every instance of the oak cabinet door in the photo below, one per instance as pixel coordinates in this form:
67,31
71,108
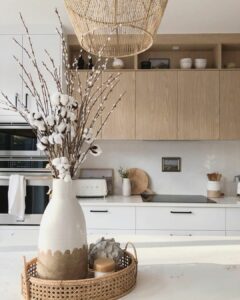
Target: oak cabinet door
230,105
121,123
198,105
156,105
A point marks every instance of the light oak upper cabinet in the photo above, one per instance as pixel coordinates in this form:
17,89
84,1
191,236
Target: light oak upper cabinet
198,105
229,105
156,105
121,123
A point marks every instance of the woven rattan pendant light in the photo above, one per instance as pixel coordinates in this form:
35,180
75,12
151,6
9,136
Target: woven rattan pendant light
125,27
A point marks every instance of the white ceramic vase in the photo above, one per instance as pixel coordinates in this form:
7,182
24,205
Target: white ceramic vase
126,187
62,245
118,63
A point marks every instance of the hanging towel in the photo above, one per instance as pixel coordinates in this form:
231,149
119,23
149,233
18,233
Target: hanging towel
16,196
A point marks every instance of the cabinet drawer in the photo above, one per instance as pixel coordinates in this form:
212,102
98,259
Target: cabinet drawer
233,233
19,235
110,232
180,218
181,233
99,217
233,219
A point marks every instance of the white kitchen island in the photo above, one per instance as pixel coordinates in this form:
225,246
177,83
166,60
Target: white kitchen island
170,268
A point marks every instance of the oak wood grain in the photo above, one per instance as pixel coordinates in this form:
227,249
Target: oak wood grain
230,105
156,105
198,105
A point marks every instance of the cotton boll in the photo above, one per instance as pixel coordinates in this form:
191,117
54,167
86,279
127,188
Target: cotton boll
63,112
37,116
50,120
44,140
55,99
64,160
88,135
64,99
71,100
51,139
61,127
56,161
58,139
40,125
61,176
41,147
72,116
95,150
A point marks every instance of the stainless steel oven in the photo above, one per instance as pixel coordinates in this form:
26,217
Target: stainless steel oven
38,183
18,139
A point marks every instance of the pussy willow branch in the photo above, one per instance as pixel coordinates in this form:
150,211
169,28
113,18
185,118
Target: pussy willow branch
43,84
92,99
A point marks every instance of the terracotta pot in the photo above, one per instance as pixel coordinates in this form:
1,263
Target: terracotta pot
62,246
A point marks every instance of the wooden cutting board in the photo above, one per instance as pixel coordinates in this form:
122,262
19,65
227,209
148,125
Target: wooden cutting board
139,180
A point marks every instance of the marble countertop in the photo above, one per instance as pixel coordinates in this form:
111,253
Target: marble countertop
170,268
137,201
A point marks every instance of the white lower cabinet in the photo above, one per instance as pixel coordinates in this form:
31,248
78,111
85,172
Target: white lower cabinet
19,235
180,218
181,233
109,218
232,219
110,232
232,232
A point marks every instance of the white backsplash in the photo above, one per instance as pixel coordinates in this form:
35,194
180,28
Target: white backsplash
198,158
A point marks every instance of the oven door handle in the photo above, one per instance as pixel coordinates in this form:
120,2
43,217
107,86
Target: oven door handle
98,211
181,212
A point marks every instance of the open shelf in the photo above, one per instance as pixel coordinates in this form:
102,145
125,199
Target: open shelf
218,49
208,52
231,55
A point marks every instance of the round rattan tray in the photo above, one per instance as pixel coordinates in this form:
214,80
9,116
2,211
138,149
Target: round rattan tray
109,287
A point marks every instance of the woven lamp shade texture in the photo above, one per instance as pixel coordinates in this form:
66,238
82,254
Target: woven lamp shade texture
130,24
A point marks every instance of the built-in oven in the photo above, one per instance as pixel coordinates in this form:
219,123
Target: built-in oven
18,139
38,183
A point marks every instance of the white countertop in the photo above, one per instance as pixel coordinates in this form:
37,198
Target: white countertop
170,268
137,201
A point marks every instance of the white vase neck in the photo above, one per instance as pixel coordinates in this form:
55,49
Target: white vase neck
62,190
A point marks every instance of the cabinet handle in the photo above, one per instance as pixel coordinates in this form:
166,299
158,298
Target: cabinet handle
181,212
26,100
16,99
172,234
99,211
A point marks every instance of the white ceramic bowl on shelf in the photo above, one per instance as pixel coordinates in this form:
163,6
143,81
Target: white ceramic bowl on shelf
186,63
200,63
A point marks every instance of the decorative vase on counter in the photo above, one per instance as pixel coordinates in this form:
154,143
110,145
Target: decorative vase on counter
126,187
62,246
117,63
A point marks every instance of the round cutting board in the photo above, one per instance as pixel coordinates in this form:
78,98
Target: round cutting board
139,180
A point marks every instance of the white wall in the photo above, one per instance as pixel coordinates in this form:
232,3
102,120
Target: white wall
198,158
181,16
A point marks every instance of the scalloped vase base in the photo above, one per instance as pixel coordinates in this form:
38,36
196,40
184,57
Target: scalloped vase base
63,266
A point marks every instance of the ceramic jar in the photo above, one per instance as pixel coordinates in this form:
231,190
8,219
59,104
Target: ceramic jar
126,187
62,246
117,63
